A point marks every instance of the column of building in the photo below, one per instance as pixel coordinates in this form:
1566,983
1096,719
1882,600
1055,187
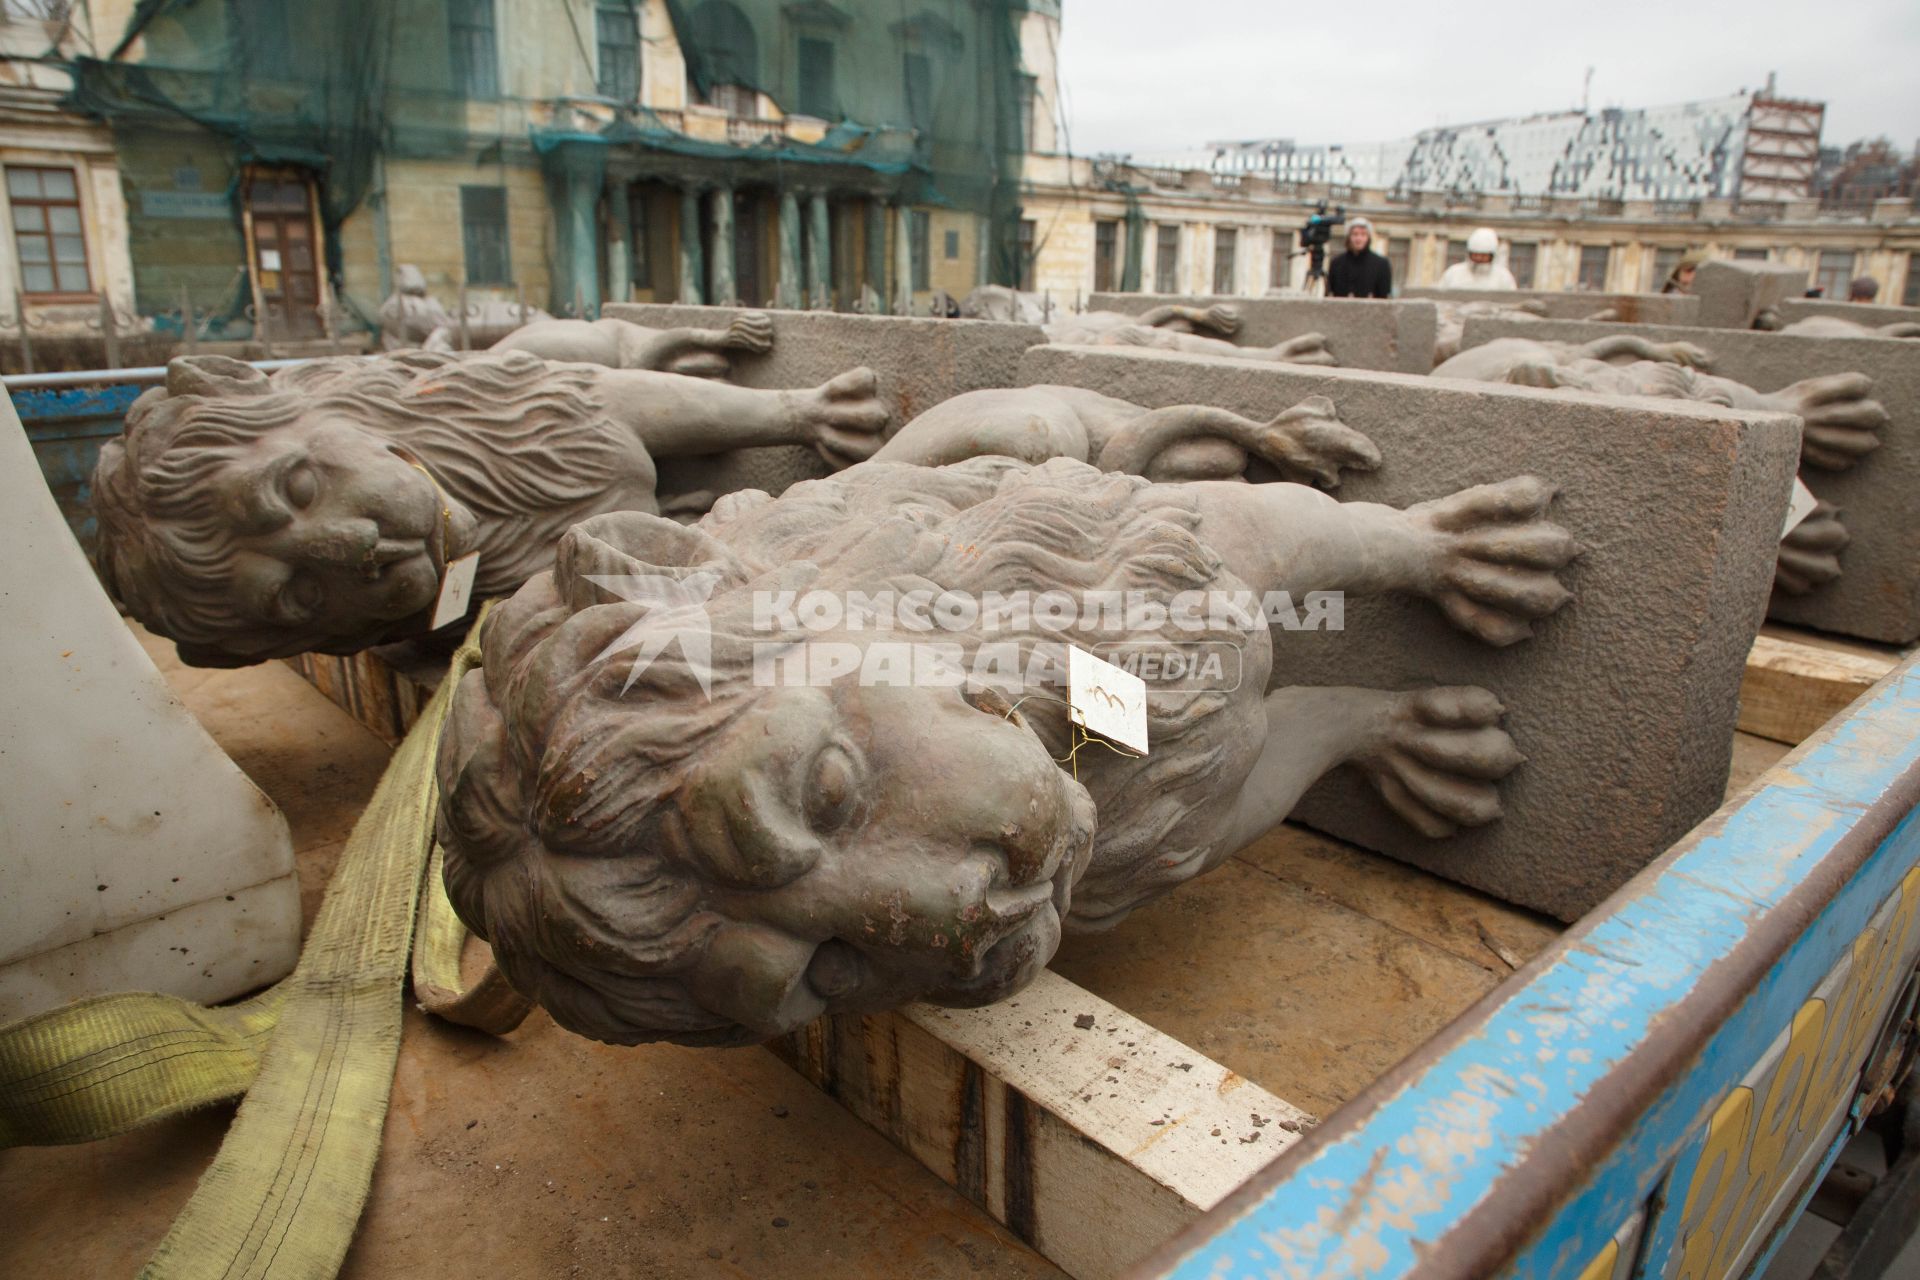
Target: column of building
720,206
819,252
693,267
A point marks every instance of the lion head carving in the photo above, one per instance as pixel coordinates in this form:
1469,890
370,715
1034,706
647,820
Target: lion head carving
248,517
677,848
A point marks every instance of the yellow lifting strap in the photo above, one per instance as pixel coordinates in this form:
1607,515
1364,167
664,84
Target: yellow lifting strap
314,1055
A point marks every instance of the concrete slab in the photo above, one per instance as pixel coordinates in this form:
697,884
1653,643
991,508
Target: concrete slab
920,362
1878,594
1362,333
138,855
1624,702
1733,294
1629,308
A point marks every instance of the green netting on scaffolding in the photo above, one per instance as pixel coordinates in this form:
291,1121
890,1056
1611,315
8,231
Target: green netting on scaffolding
924,100
328,85
932,91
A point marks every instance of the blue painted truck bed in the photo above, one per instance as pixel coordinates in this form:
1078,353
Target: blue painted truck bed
1659,1091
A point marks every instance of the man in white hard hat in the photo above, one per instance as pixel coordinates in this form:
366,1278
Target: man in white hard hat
1479,270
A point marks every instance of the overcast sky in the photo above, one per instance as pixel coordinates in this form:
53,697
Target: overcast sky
1145,75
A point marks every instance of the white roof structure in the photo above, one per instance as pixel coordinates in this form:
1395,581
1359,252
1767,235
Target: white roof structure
1687,151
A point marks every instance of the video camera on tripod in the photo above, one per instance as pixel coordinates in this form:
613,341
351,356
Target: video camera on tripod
1313,240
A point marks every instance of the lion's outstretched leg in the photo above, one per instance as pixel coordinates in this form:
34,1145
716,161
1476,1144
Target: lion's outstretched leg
1308,443
1486,555
1434,755
1619,347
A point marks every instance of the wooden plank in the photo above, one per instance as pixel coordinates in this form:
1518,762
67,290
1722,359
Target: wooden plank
1794,684
1298,992
1464,922
1090,1135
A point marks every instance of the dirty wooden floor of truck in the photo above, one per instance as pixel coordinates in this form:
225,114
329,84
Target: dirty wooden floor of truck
1306,965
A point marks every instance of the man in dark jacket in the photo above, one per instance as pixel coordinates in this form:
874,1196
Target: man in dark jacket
1359,272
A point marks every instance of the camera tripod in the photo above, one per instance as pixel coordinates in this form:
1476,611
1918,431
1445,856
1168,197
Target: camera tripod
1316,281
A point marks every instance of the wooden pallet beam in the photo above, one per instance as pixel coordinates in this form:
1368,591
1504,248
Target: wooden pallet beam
1793,686
1087,1133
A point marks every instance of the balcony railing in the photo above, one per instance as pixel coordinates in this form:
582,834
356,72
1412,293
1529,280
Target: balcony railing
744,131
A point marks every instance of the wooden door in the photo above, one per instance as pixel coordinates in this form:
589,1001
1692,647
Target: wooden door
286,264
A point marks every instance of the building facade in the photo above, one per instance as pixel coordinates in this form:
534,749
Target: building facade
1206,232
280,161
63,219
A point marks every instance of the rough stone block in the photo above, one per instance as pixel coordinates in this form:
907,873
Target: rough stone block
1630,308
1362,333
1871,314
1878,594
1624,702
1732,294
920,362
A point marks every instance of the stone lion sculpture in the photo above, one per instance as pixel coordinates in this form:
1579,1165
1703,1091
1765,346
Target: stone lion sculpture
1451,321
621,344
1841,327
410,314
680,847
248,517
1841,421
1184,328
1173,327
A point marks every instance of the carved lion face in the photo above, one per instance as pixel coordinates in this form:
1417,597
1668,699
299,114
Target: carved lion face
680,849
867,847
249,519
335,533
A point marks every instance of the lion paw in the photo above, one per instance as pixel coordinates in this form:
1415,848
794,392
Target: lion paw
1308,348
1221,319
1810,554
750,331
1842,424
1438,757
1308,444
1685,354
1495,556
846,418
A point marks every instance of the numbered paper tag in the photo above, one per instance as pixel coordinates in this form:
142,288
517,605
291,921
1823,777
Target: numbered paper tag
1799,506
1105,700
456,589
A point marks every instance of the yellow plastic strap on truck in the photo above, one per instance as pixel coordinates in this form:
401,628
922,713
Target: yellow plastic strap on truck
314,1055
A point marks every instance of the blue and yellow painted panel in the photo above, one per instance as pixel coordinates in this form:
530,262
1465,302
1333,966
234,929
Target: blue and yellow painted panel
1658,1090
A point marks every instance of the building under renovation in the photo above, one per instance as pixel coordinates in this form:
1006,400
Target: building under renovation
280,160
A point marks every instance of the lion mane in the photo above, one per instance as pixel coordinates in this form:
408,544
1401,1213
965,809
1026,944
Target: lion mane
552,809
523,444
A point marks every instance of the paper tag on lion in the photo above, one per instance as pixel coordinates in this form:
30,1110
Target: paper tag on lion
456,589
1799,506
1107,700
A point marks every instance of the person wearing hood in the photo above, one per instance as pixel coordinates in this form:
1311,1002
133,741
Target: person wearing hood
1359,272
1680,279
1479,271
